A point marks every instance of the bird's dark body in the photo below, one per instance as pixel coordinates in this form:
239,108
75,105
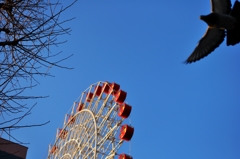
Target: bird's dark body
222,21
218,20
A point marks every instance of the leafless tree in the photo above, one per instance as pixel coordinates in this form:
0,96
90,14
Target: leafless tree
28,28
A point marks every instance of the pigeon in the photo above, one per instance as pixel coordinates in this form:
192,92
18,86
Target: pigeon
222,21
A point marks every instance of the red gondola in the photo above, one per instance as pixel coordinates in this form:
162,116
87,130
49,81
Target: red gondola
124,110
53,150
126,132
89,96
80,107
120,96
62,134
106,88
71,119
98,90
124,156
115,87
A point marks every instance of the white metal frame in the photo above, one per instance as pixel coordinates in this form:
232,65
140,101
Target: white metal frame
95,131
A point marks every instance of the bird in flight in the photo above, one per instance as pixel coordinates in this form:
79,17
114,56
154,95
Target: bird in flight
222,21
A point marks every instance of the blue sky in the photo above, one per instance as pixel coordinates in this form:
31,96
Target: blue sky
179,111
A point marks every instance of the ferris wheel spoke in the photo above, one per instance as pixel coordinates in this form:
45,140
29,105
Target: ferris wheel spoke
110,156
84,116
108,125
103,105
84,133
89,140
88,152
110,146
106,136
106,117
96,104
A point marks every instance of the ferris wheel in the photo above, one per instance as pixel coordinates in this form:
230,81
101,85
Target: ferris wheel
94,129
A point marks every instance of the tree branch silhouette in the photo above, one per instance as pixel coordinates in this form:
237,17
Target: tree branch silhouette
28,29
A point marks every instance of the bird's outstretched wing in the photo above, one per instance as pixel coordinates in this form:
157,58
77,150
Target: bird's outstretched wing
221,6
233,35
209,42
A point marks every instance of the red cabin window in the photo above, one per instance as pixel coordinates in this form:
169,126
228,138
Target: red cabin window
124,110
126,132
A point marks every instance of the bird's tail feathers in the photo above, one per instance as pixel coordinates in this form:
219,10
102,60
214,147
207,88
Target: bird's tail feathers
233,36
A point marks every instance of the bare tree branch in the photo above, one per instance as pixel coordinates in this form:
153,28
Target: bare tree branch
28,29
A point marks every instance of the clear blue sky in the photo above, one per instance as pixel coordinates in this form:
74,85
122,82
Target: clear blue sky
179,111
